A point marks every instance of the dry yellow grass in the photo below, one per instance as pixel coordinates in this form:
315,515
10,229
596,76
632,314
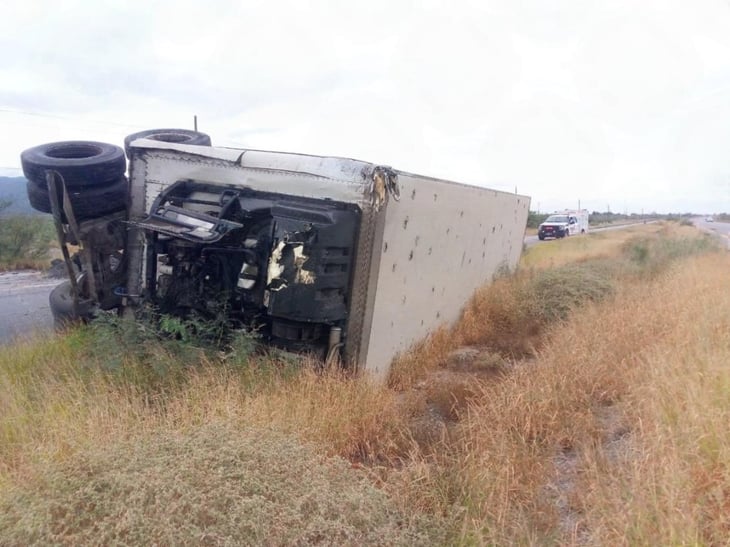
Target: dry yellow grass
615,433
536,456
428,355
671,480
553,253
614,430
222,455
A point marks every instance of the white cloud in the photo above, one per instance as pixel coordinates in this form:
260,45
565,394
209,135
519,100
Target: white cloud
612,103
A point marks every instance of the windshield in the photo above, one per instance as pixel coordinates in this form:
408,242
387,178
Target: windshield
557,218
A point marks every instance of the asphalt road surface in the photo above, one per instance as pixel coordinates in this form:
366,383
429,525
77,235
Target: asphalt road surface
24,307
722,229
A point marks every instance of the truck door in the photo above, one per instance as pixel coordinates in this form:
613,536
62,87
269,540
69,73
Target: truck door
573,227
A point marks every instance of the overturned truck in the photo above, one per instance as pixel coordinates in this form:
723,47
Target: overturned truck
332,256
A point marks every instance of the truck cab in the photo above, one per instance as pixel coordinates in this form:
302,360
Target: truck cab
566,223
555,226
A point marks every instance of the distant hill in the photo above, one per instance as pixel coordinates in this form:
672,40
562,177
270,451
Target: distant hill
13,189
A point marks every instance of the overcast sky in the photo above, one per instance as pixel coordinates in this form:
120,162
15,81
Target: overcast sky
621,104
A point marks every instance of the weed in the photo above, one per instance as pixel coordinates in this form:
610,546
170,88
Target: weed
510,316
652,255
551,295
25,242
210,484
156,350
638,251
431,353
613,430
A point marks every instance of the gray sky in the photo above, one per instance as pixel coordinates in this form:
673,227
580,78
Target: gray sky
616,103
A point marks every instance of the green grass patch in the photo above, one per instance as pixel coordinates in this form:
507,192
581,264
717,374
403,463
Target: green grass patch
550,295
25,242
156,352
511,315
654,254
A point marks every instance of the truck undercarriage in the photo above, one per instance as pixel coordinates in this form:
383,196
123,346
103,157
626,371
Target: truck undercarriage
268,261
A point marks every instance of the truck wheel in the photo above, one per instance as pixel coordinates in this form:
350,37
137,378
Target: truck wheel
62,307
80,163
541,238
182,136
86,202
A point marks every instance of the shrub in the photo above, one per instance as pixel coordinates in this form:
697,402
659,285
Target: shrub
155,350
651,255
510,315
25,241
552,294
215,485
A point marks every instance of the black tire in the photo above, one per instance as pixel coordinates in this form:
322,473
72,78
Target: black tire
62,307
86,202
80,163
182,136
541,238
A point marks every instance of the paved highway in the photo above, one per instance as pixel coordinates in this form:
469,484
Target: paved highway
24,304
722,229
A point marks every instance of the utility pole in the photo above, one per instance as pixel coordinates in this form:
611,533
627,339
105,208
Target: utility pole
195,122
